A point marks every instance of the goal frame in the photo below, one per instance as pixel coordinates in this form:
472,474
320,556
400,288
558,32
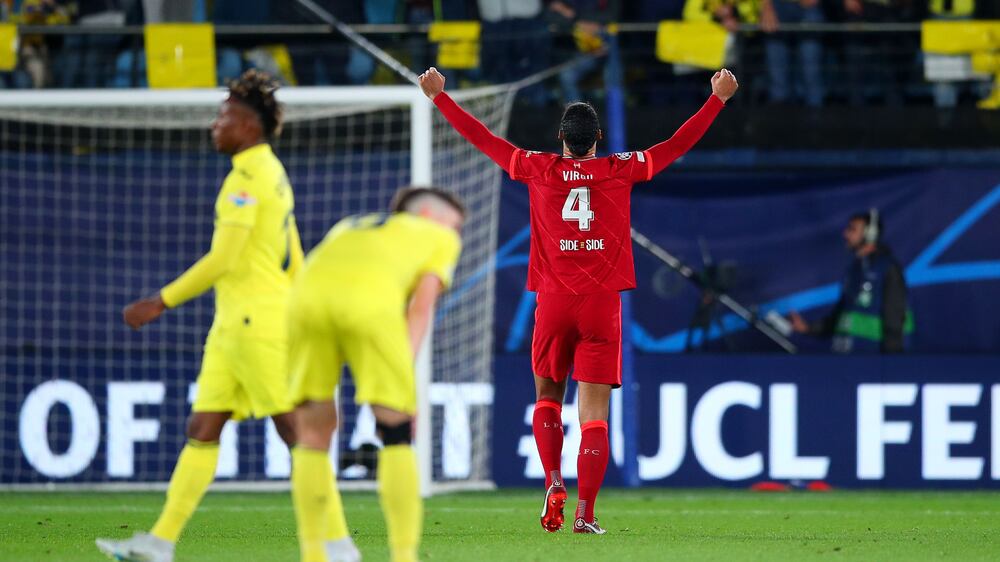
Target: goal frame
421,174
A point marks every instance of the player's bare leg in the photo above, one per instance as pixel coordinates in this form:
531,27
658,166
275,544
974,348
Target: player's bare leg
194,472
285,425
319,513
547,427
592,461
207,426
398,483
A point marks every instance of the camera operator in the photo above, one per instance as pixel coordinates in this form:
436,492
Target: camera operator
871,315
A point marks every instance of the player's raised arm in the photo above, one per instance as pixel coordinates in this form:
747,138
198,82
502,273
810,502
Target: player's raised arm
498,149
228,242
724,86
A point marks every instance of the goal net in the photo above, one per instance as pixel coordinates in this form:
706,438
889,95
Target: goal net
106,196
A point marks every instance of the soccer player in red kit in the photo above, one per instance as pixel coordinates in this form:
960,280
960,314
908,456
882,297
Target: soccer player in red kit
581,258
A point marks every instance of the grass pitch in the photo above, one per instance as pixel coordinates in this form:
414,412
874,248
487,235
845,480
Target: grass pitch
481,527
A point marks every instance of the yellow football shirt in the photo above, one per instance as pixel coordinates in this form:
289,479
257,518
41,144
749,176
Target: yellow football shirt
256,195
379,258
348,305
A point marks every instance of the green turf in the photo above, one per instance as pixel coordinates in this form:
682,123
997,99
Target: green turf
642,525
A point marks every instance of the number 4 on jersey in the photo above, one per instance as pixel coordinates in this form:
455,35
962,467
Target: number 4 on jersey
577,208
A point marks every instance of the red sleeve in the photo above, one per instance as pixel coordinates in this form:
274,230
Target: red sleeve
499,150
663,154
528,164
635,166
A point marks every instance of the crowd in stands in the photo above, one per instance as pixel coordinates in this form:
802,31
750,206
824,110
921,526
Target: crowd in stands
787,64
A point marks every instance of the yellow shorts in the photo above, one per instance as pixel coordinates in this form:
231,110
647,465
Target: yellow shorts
245,376
376,348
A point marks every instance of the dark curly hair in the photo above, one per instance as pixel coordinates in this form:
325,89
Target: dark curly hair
580,128
256,89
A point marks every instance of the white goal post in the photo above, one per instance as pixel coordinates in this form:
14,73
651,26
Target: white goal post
120,183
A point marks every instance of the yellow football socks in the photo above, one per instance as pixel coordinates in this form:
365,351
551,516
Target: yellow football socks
399,494
194,472
336,523
318,509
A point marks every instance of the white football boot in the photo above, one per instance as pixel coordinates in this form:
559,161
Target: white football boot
142,547
342,550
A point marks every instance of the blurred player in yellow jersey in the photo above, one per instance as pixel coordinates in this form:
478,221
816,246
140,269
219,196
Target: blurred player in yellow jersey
255,252
366,297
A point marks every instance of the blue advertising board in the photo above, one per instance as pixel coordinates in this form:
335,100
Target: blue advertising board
733,420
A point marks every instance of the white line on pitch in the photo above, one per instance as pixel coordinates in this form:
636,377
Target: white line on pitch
432,509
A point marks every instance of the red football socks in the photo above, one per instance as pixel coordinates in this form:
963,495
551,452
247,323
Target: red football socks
591,465
546,424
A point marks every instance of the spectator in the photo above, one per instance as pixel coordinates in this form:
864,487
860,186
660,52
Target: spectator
729,13
34,54
88,60
515,43
874,59
946,93
420,12
871,314
320,61
588,20
809,78
361,66
230,62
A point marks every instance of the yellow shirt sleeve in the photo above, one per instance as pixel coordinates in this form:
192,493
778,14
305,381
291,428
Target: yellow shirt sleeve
444,257
238,202
228,242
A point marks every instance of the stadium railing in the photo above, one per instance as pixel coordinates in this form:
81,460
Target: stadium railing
884,60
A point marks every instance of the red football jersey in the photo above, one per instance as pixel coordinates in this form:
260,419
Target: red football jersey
581,239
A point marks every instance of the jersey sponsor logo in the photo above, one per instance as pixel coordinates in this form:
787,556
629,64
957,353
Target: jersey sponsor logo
243,199
530,153
589,245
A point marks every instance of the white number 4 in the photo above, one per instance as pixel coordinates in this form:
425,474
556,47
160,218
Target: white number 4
579,197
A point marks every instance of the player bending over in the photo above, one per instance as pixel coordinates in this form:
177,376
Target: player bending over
255,252
366,298
581,257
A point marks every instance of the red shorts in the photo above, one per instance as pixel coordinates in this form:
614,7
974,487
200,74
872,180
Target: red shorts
578,332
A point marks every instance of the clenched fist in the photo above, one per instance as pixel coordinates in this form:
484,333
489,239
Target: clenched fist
724,84
432,82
